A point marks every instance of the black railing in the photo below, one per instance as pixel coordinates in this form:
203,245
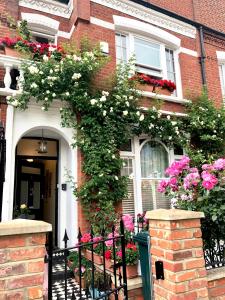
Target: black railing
76,273
215,254
2,161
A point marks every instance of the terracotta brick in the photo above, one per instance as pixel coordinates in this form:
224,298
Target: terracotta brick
187,275
194,243
25,281
11,241
17,295
36,266
35,292
195,263
37,239
2,284
26,253
3,256
12,269
178,255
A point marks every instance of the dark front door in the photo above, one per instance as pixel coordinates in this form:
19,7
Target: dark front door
30,188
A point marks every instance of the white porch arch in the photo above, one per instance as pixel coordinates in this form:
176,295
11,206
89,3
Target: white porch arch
23,123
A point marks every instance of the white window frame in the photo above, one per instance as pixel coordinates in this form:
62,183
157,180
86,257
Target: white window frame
135,155
132,28
221,66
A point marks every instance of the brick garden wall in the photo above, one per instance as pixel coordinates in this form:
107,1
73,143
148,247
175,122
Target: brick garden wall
22,251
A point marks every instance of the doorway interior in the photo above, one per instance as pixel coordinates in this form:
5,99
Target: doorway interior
36,180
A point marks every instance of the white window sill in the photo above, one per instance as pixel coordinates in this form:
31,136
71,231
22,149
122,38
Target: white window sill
49,6
165,97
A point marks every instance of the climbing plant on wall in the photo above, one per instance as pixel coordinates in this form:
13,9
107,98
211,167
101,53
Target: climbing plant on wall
103,120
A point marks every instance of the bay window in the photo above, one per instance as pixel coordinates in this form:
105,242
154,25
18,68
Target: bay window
152,57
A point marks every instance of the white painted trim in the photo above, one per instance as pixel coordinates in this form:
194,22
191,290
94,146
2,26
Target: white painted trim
164,97
147,30
66,35
40,20
220,56
51,7
102,23
166,112
16,128
189,52
150,16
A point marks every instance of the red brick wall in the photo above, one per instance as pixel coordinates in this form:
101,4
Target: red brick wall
217,288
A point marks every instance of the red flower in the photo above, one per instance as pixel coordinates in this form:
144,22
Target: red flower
86,238
131,246
108,254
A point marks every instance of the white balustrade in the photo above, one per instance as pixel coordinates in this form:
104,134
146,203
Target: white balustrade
9,63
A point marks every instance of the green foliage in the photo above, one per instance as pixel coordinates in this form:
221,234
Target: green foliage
205,125
103,120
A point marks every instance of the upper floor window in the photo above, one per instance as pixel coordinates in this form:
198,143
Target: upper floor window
152,57
222,79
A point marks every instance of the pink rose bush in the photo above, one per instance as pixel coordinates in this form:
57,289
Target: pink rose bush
199,189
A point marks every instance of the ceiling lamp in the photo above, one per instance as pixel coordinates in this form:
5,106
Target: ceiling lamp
42,145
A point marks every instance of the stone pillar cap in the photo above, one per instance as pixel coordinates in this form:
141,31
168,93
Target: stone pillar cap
173,214
22,226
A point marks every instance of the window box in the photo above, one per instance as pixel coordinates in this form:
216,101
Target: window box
13,52
153,89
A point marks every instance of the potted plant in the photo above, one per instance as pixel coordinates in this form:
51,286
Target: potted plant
97,248
23,212
77,269
97,284
131,253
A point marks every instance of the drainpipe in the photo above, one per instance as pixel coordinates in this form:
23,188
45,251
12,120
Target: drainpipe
202,59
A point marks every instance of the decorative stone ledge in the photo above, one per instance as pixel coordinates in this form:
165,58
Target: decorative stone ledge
21,226
173,214
215,274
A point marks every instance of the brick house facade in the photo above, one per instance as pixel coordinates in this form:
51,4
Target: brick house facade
170,32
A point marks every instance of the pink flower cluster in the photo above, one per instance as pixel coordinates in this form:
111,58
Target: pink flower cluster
128,222
177,167
109,243
188,180
209,180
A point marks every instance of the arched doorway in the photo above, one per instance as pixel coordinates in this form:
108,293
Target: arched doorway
27,126
36,177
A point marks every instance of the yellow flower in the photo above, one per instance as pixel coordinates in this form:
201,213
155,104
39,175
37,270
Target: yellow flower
23,206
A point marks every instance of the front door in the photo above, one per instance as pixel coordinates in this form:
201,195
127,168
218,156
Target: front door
30,187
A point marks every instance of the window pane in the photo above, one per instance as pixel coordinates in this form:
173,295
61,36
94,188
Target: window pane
154,160
222,78
147,53
121,48
170,65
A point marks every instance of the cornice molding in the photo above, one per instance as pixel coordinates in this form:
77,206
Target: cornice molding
150,16
49,6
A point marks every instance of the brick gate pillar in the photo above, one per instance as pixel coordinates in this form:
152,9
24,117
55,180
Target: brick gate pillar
22,252
176,241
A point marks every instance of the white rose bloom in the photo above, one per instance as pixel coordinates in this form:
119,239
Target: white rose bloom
168,117
116,177
42,80
103,99
127,103
47,92
33,70
46,98
54,94
33,85
111,109
45,58
174,123
151,126
15,103
159,114
125,112
141,117
43,108
131,97
113,156
138,113
67,93
41,73
104,113
76,58
8,98
76,76
93,101
104,93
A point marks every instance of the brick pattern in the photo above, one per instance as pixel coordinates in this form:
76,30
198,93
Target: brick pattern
179,245
217,289
22,266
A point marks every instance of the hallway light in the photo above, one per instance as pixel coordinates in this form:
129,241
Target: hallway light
42,148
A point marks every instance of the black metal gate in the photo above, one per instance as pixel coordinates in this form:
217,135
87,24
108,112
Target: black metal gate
79,273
